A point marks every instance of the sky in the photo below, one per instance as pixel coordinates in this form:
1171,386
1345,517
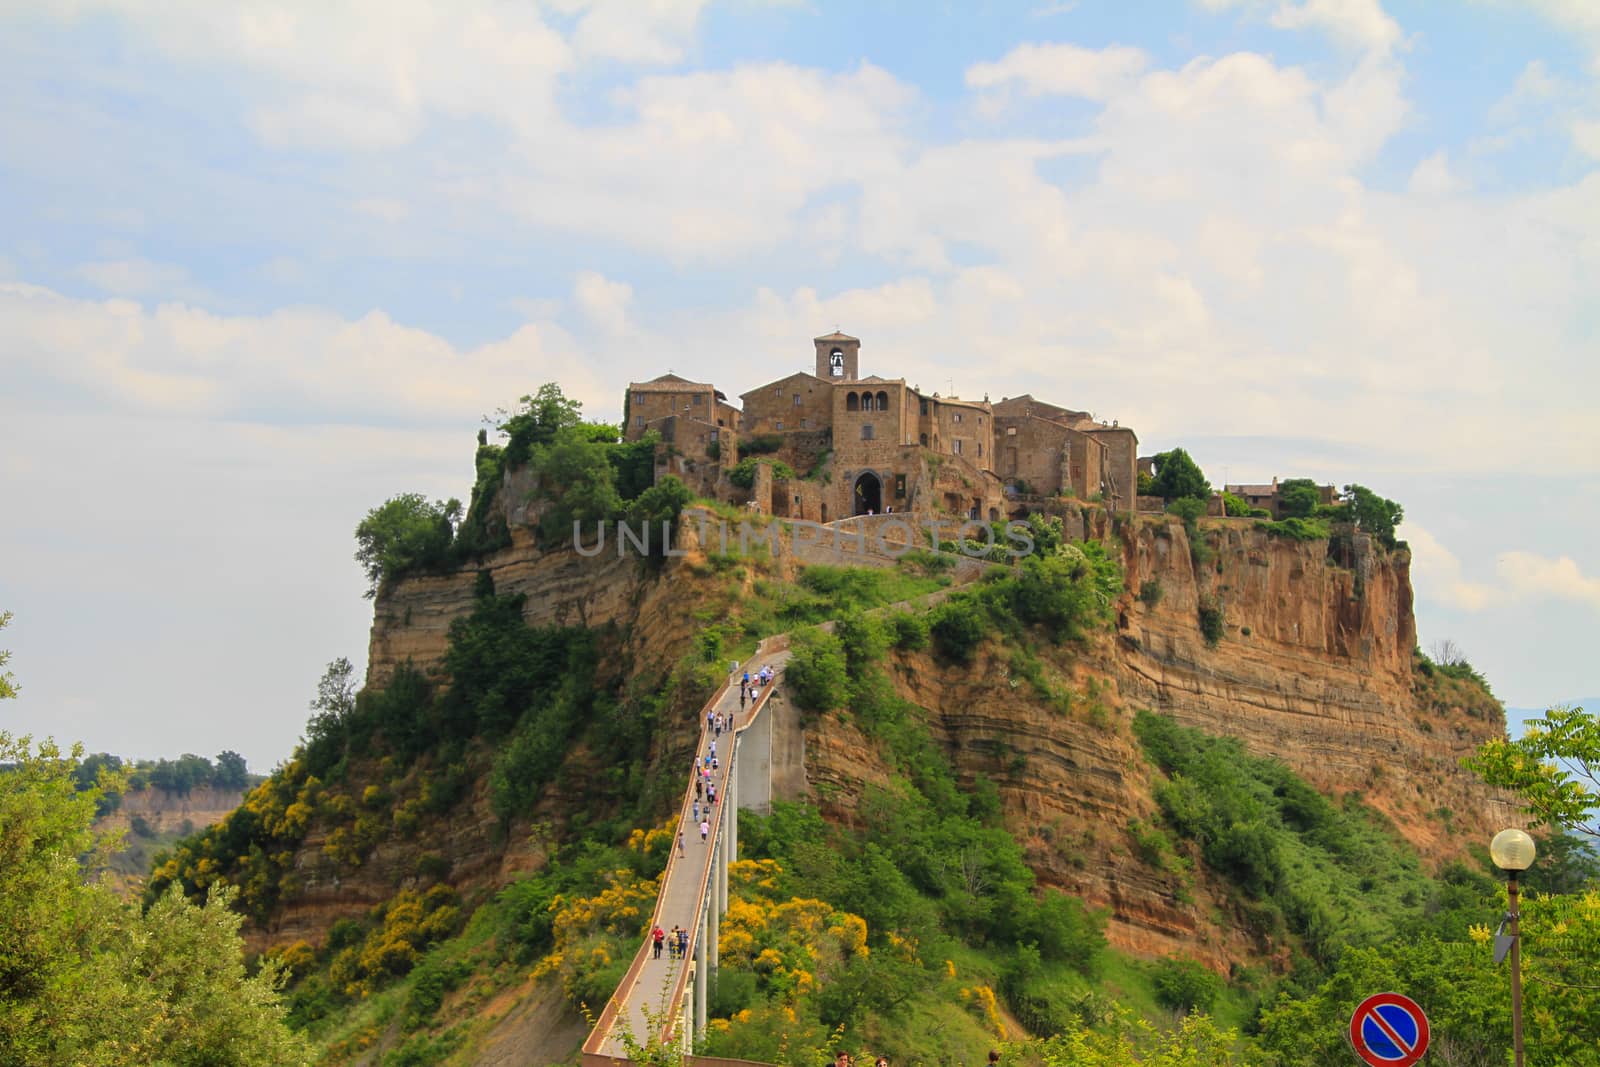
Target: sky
264,266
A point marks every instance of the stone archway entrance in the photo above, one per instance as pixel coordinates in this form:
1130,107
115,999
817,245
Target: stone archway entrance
868,494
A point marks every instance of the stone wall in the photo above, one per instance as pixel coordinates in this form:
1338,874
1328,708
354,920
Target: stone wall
798,402
647,405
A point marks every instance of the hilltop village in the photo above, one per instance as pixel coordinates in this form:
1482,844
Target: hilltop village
828,443
841,444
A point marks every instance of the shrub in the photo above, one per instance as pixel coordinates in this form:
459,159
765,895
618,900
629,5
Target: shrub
910,631
1296,529
1235,506
957,627
1211,619
1150,592
743,473
761,444
817,673
1185,985
1187,508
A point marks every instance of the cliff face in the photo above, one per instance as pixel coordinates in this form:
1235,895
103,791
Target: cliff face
1313,666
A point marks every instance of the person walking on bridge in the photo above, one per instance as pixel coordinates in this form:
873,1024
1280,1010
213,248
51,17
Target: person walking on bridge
705,831
659,936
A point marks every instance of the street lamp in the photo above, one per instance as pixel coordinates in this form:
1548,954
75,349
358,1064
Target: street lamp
1512,851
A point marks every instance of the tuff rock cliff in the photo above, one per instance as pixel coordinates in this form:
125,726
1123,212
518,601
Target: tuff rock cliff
1312,663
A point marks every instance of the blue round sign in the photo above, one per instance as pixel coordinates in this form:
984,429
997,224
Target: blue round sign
1389,1030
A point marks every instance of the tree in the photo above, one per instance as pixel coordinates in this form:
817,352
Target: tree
403,533
536,423
231,772
1372,513
1554,767
87,978
576,476
8,684
1297,498
1179,476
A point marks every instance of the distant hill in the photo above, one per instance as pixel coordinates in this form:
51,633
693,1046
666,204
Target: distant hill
1515,716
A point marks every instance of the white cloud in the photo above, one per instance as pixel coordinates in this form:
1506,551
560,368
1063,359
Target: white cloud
637,31
1433,176
1519,576
1061,70
134,277
1436,572
293,364
1586,136
1360,24
1527,574
602,301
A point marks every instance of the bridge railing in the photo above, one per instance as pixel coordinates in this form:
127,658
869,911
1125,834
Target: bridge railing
593,1054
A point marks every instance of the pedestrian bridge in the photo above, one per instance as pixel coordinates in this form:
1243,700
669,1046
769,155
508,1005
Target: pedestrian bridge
665,999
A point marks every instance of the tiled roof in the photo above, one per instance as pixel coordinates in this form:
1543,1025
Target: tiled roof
668,383
1250,490
837,336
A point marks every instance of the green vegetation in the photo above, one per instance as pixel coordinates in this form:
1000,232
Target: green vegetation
1371,513
1554,767
743,473
1211,617
1150,592
761,444
1178,476
1298,498
1331,876
527,691
8,684
403,534
88,978
1293,529
1235,506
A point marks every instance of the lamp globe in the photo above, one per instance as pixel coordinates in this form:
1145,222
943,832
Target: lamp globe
1512,850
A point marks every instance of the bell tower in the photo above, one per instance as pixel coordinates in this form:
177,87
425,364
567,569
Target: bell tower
838,357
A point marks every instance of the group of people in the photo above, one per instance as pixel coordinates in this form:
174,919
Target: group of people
751,687
677,942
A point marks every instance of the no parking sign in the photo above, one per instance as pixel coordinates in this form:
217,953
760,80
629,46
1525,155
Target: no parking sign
1389,1030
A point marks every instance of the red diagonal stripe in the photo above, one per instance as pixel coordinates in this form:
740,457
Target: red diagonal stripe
1389,1032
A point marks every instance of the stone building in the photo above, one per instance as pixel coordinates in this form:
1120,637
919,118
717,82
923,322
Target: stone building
1050,449
870,444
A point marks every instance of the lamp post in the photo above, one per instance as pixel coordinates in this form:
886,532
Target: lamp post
1512,851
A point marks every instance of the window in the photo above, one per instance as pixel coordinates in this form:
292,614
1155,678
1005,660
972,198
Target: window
780,424
866,431
866,401
852,402
797,400
805,424
980,449
924,406
958,416
899,485
638,420
924,439
713,435
957,446
883,401
638,398
1011,431
699,398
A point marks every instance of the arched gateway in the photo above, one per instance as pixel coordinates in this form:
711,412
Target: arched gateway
869,494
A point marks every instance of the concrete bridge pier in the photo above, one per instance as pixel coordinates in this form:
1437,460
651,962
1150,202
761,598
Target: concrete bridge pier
700,972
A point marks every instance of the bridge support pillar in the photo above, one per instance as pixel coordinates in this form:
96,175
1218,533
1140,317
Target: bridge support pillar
700,973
